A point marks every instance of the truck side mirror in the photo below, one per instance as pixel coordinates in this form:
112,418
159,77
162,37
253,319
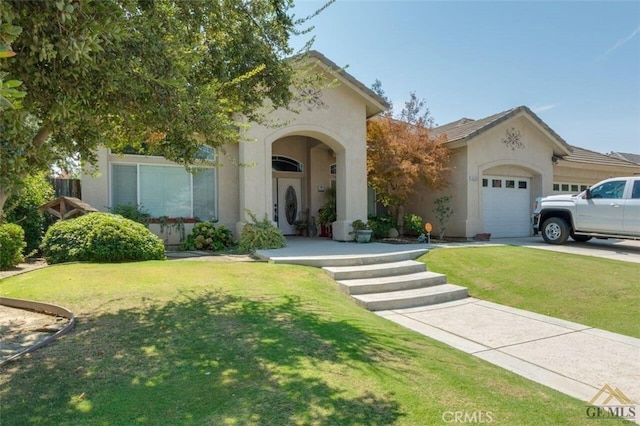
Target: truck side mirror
587,194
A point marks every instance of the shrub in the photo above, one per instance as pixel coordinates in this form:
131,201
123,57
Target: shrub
412,224
205,236
260,235
22,209
381,225
11,245
443,212
133,212
100,237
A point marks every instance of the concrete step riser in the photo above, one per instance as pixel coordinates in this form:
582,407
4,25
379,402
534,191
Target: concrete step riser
397,285
322,261
388,271
432,299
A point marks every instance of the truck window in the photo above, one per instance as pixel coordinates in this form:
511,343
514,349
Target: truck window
636,189
612,189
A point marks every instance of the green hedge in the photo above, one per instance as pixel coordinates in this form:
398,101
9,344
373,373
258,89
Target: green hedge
11,245
412,224
100,237
381,225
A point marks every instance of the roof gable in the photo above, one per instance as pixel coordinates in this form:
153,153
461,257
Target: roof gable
375,104
466,129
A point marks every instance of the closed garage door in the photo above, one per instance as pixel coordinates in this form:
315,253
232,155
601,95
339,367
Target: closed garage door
506,206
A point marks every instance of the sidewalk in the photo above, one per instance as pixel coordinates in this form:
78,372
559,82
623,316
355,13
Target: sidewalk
572,358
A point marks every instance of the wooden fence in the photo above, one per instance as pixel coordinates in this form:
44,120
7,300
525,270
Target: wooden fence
67,187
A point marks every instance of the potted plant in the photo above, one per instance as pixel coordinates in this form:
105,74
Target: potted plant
362,230
327,213
302,227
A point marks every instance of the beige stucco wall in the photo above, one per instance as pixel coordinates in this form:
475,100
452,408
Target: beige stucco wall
330,130
487,154
422,202
338,120
571,172
95,188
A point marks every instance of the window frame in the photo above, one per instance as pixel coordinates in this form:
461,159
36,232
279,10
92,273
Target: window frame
216,213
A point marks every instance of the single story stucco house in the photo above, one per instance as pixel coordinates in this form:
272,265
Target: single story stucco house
501,164
321,146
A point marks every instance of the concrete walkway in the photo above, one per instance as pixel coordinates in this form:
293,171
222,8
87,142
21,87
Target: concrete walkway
572,358
575,359
623,250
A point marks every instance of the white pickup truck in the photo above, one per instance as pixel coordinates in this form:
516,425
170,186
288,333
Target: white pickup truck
609,209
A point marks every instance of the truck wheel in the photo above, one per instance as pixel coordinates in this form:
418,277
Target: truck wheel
555,230
580,238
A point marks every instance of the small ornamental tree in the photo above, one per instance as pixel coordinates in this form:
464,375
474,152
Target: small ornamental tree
443,212
401,154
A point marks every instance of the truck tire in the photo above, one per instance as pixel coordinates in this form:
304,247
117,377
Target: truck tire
555,230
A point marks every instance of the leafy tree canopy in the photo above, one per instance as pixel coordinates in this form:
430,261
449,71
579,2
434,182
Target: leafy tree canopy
401,153
121,72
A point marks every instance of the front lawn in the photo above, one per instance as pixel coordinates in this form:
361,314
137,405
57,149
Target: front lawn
598,292
177,343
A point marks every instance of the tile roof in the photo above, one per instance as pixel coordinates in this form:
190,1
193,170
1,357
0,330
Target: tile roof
581,155
468,128
351,79
634,158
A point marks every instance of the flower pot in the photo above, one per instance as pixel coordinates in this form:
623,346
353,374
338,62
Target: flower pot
363,235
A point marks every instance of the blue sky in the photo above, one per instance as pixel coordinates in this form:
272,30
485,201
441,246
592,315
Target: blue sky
576,64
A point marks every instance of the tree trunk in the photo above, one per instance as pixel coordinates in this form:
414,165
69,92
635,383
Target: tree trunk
41,137
3,197
400,220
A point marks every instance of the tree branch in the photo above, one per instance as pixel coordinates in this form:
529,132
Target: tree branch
41,137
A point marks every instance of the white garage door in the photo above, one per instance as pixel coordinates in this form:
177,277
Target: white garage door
506,206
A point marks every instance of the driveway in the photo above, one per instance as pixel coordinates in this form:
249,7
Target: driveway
624,250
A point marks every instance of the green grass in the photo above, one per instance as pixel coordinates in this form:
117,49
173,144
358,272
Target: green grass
597,292
202,343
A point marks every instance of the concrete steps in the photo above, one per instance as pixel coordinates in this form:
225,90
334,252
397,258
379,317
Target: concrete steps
392,283
383,282
411,298
375,270
349,259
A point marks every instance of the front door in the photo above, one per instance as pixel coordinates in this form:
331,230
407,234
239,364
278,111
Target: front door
286,203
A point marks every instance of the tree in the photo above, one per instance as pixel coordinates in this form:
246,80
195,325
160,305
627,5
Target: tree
401,153
10,95
22,209
171,74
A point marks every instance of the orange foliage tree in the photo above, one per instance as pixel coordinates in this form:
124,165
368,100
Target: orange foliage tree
401,154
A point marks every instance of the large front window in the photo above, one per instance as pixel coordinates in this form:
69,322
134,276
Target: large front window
165,190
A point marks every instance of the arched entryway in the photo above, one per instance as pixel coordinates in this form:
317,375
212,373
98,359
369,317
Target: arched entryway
326,162
302,176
